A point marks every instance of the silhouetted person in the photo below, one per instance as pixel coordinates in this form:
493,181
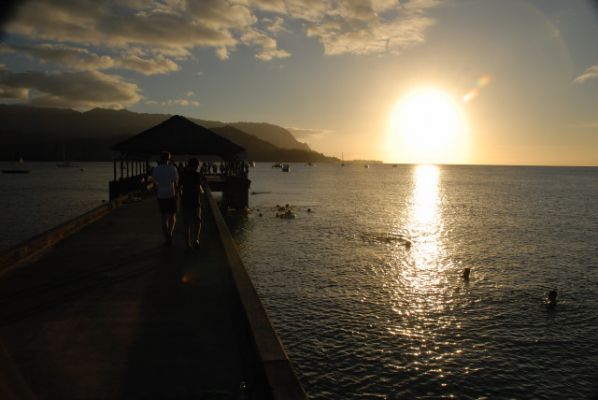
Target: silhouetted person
165,178
551,298
466,272
191,191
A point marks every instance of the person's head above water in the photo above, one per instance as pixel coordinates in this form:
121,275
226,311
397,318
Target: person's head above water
466,272
552,296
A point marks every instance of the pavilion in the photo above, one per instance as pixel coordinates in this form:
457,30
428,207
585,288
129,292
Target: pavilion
180,137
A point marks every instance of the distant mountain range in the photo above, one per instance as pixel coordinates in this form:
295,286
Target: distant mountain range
44,134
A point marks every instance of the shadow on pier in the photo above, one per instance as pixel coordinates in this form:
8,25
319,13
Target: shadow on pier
111,313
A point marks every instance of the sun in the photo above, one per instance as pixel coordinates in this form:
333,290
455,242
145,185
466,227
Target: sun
428,126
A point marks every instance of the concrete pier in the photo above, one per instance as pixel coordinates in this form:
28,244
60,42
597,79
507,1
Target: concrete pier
109,312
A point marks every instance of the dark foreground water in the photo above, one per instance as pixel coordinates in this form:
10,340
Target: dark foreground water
362,314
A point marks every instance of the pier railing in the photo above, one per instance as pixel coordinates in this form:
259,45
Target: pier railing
31,248
273,364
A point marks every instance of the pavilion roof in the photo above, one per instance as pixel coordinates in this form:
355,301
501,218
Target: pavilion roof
178,135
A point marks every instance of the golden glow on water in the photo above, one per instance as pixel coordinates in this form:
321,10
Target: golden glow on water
425,221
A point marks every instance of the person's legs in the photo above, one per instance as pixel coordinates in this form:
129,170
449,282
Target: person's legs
197,230
168,215
171,224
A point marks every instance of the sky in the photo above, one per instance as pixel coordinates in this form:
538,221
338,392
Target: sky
520,77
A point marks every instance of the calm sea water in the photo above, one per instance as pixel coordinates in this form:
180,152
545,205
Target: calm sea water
363,315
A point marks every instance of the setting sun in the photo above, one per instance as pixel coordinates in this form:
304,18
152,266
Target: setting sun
428,126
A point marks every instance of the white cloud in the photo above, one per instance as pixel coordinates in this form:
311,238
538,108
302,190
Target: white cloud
590,73
80,89
181,102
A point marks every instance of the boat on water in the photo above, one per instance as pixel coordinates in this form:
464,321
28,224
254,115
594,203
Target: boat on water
19,168
310,164
286,167
366,166
277,165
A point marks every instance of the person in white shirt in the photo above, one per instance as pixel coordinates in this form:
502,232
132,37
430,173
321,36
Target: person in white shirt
166,178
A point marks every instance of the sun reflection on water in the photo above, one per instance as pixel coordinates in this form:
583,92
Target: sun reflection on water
425,219
424,292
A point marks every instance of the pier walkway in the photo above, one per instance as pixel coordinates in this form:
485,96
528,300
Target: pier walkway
110,312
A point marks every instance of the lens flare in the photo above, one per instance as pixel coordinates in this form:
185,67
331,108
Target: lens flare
481,83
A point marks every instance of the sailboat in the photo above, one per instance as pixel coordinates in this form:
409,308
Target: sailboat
18,169
65,163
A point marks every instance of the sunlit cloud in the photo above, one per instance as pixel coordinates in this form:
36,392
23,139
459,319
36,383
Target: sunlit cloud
81,39
590,73
181,102
78,89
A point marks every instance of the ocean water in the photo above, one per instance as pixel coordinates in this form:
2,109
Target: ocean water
364,314
48,196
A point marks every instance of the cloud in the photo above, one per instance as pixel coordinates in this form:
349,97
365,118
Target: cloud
171,28
83,59
590,73
372,28
79,89
267,45
275,25
181,102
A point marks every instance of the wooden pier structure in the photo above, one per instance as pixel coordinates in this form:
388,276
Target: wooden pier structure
182,138
99,308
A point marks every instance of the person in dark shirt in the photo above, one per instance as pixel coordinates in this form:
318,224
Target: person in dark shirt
191,190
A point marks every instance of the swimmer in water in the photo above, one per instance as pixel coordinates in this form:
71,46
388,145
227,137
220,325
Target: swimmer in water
466,272
551,298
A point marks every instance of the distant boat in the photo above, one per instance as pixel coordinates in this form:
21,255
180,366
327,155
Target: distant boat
277,165
65,163
366,166
286,167
310,164
18,169
394,165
